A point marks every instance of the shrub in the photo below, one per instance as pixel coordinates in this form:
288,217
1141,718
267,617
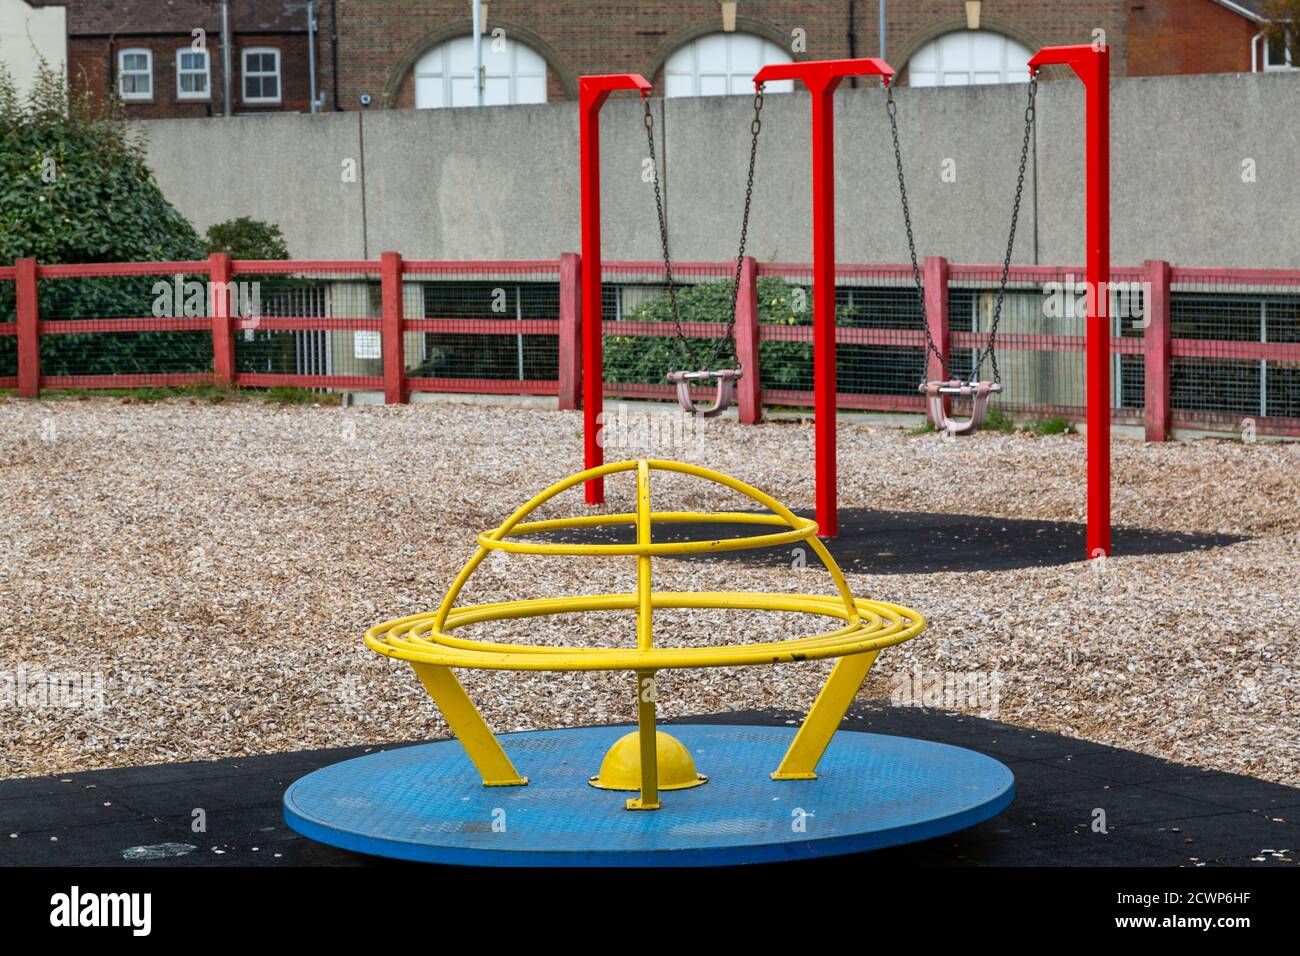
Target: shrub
76,189
246,238
1052,426
999,421
785,364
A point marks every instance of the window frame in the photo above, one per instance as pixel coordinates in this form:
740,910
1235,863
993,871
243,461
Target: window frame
206,72
1286,65
699,71
244,75
1010,73
122,73
445,74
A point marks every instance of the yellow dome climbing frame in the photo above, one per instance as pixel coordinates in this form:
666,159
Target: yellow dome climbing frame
427,640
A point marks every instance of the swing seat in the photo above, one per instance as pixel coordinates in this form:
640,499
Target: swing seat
978,392
726,379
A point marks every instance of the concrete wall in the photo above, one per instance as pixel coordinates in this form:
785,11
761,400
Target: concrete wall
29,35
1176,157
502,183
287,169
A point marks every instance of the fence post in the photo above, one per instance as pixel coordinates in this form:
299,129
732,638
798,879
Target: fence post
570,331
390,277
935,276
223,334
29,329
1156,351
749,388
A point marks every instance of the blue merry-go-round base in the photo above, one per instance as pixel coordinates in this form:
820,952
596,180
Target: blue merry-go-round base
427,803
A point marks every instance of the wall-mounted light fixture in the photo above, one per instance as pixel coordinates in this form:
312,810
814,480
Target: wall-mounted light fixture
973,14
728,16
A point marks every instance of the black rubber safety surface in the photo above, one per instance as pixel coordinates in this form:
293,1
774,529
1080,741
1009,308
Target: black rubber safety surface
1156,813
909,542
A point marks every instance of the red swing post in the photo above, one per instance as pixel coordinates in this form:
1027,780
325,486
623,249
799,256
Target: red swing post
822,77
1092,66
592,93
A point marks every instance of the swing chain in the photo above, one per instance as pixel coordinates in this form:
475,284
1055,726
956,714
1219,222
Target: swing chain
755,126
663,234
892,107
1011,238
987,353
683,345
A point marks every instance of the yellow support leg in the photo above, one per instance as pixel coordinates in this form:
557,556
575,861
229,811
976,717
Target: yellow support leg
468,726
800,761
645,722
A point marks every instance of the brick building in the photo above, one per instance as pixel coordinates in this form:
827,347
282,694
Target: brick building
404,53
395,50
1200,36
165,59
420,53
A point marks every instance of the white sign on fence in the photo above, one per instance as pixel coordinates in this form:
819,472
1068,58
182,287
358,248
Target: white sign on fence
367,345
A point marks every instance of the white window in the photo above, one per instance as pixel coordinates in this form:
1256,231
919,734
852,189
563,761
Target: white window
1277,54
192,75
722,63
969,58
261,75
135,74
513,73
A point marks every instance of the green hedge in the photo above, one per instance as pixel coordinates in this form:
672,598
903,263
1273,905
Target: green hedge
785,364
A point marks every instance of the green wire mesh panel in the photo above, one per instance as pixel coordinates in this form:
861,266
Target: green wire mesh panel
299,351
879,355
1040,345
467,352
1223,330
640,343
103,346
8,323
482,326
885,363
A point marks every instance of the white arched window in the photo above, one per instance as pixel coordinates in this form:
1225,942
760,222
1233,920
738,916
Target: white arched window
514,73
722,63
969,58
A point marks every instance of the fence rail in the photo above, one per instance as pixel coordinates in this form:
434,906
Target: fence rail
1207,348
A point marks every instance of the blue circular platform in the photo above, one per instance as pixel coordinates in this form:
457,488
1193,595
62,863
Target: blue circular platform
427,803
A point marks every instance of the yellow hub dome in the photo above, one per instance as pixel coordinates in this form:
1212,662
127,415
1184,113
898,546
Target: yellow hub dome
621,768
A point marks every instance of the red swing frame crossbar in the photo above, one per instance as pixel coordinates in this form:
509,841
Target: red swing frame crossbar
822,77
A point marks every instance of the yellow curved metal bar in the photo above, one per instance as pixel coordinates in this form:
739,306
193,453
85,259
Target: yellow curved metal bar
418,632
802,528
876,625
805,528
416,636
658,517
663,548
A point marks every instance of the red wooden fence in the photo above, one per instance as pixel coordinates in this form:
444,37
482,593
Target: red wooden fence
1155,346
